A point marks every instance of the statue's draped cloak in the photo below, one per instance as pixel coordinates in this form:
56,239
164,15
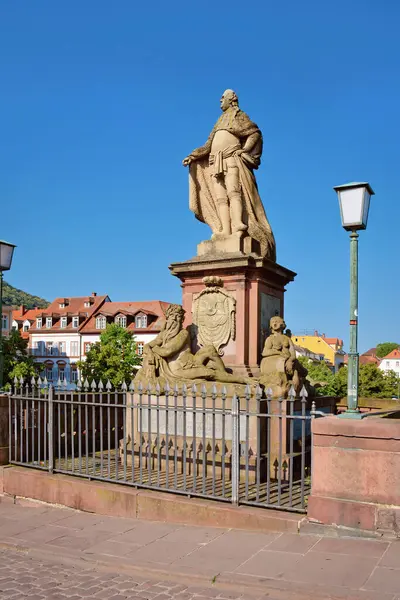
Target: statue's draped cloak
201,195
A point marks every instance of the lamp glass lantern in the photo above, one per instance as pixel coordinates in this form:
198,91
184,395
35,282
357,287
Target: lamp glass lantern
354,201
6,255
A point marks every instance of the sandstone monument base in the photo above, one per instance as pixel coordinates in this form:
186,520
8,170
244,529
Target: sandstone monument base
356,474
257,286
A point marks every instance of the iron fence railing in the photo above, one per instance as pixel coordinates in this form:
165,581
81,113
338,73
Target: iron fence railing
250,449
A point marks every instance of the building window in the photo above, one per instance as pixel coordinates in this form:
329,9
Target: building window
74,348
61,373
75,322
4,322
141,321
86,347
62,347
74,375
25,328
397,363
121,320
101,322
63,322
39,323
87,305
48,373
49,322
139,348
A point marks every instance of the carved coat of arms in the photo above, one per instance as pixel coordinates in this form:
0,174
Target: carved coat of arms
214,313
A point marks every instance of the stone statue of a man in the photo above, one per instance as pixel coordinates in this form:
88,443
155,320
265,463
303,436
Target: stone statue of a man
223,189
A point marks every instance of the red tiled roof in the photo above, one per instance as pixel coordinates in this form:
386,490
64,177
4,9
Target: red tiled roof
368,359
393,354
73,307
155,308
334,341
370,352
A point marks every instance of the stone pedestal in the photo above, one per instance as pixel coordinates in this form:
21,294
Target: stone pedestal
356,473
258,286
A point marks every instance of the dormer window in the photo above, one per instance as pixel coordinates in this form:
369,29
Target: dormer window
49,322
75,322
39,323
141,321
87,305
120,320
101,322
62,305
63,322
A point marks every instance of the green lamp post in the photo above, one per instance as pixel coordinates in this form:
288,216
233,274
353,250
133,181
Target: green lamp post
354,199
6,255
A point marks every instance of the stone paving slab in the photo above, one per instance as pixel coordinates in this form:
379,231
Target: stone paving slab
238,563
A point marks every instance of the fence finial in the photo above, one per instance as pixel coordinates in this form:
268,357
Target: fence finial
194,389
21,380
132,386
124,387
303,394
93,385
268,393
86,384
101,386
108,385
33,381
292,393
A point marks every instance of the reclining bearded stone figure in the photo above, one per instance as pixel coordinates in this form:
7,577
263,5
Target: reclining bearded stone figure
168,357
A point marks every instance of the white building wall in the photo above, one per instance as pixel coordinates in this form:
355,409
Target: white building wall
390,364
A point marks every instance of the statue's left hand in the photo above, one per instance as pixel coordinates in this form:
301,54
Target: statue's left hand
186,161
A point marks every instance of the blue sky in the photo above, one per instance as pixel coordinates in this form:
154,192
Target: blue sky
100,101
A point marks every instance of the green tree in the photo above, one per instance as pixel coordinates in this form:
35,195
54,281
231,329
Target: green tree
371,382
17,362
14,297
320,375
113,358
385,348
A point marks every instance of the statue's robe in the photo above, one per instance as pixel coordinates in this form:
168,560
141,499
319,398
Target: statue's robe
202,199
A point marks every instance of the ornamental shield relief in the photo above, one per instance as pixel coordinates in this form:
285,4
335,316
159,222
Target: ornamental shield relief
214,313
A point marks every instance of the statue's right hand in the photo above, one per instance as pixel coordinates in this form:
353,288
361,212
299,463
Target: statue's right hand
186,161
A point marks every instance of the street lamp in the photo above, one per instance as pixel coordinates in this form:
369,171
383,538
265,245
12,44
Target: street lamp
6,255
354,201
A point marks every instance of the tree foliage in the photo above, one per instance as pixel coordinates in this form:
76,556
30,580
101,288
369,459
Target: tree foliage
113,358
14,297
373,383
17,362
385,348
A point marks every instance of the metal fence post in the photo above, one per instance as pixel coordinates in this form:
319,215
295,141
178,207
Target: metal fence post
50,429
235,449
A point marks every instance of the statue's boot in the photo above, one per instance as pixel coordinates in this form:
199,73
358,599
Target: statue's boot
237,213
224,215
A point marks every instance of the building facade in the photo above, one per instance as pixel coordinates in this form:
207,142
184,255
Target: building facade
391,362
54,337
6,320
143,319
330,348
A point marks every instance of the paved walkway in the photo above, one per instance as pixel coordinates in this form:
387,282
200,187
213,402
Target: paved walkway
56,553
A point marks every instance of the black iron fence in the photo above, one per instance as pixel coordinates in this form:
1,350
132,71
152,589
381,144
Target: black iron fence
244,449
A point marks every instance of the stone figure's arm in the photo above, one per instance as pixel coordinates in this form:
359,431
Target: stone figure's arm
250,143
156,342
173,346
291,349
201,152
268,351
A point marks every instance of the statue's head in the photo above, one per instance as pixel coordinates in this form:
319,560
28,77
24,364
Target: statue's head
228,99
277,324
174,315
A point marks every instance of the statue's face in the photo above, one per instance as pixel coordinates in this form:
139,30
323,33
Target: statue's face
226,100
277,324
